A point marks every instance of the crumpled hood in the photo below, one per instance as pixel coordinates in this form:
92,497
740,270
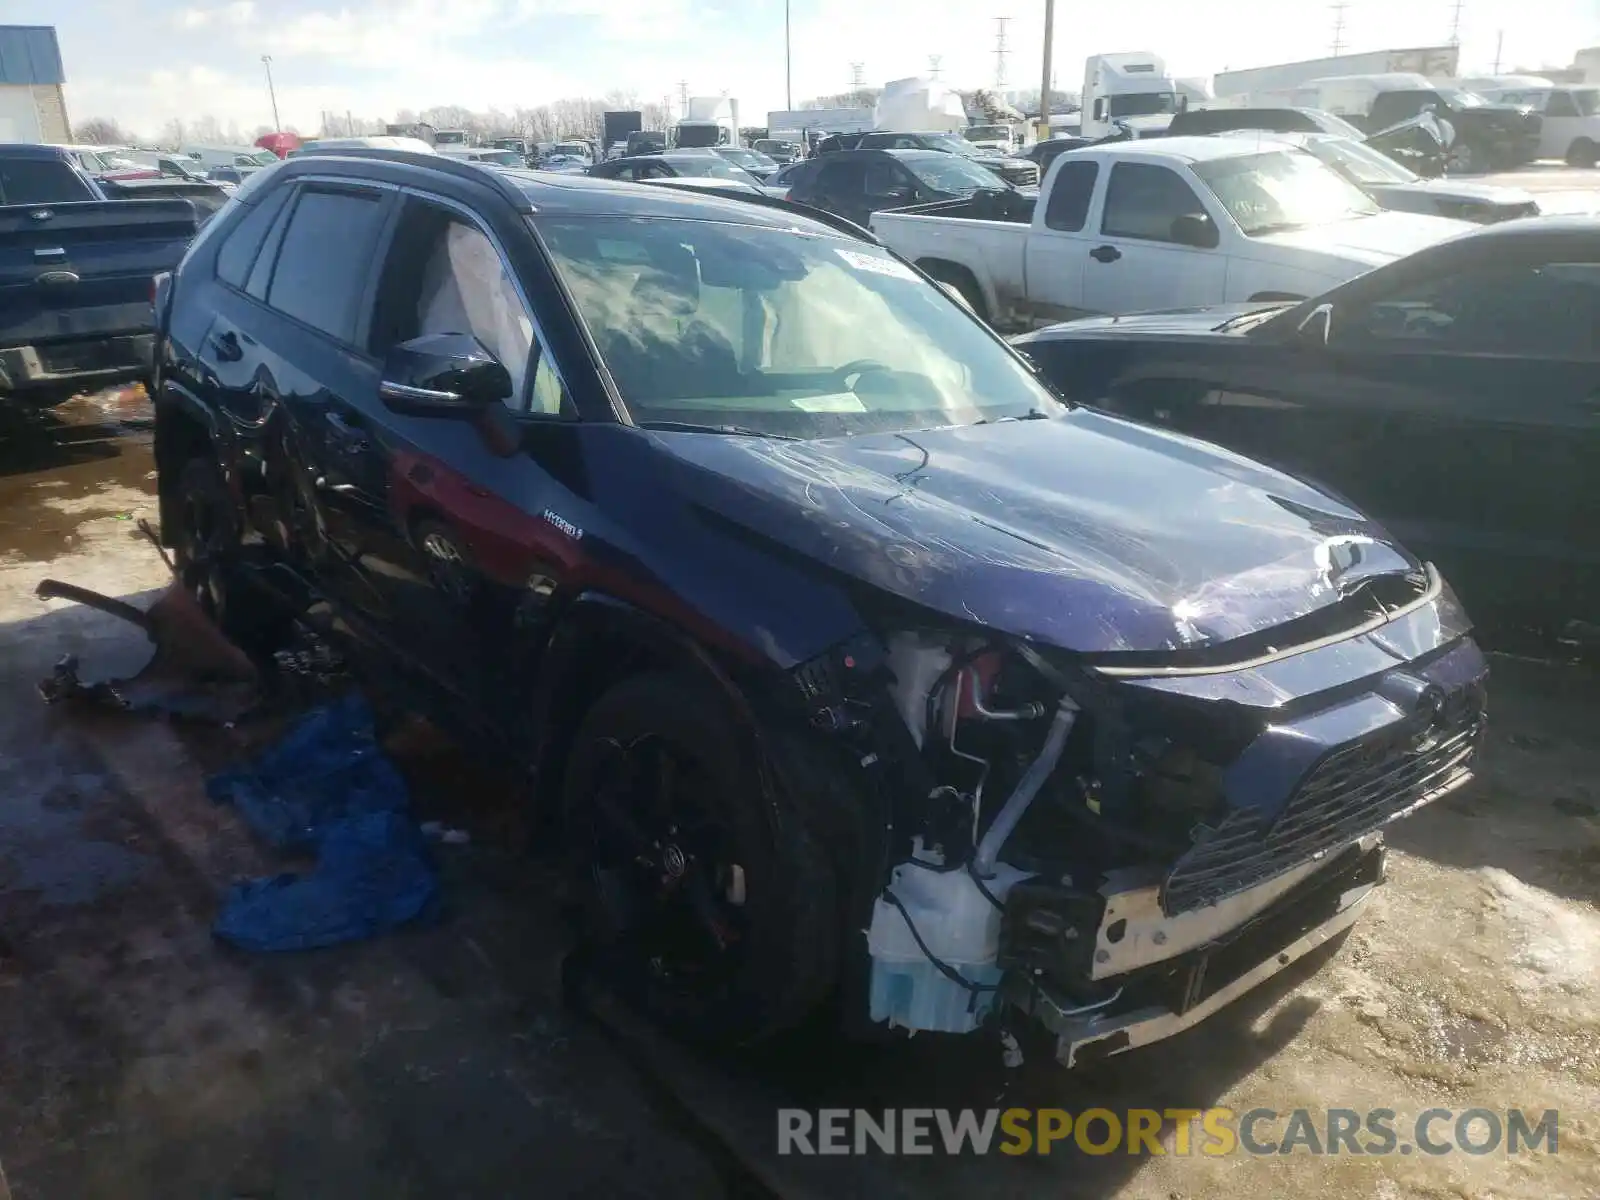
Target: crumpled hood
1085,532
1375,240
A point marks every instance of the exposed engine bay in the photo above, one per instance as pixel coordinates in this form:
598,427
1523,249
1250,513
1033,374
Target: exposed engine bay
1119,857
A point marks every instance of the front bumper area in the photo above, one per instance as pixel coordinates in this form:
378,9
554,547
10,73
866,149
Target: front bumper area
1180,992
85,361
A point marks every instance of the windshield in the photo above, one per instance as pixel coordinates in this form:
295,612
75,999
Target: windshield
957,176
986,133
712,166
948,143
574,148
260,158
1358,162
1143,104
767,330
1283,189
1331,123
747,158
501,158
1460,99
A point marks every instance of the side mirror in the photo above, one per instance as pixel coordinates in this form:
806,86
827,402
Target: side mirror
442,375
1314,330
1195,229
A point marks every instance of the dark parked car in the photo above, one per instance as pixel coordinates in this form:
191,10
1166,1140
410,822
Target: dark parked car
1042,154
854,184
1015,171
1275,120
1452,394
692,164
758,165
76,261
847,662
1488,136
1402,190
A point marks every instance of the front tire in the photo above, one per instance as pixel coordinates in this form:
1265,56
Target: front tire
206,543
1467,158
705,905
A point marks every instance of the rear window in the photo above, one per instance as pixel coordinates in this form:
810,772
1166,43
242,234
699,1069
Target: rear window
322,264
40,181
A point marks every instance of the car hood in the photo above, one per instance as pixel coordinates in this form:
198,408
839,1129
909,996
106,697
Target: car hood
1479,193
1152,324
1373,240
1083,531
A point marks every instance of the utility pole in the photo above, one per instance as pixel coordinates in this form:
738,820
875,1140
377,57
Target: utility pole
1338,7
1000,53
788,76
266,61
1455,22
683,94
1044,88
934,63
1499,45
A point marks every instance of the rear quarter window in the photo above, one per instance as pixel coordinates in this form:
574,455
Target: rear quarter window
243,241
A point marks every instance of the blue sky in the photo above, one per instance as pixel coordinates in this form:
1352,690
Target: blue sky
146,61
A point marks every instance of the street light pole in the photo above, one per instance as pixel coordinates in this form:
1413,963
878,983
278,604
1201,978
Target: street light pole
266,61
1044,88
788,89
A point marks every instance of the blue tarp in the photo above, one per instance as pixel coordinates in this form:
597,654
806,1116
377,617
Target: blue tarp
328,787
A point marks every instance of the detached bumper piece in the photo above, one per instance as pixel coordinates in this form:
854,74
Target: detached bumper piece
87,361
1179,993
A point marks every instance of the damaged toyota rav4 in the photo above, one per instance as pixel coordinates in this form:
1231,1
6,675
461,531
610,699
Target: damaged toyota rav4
848,665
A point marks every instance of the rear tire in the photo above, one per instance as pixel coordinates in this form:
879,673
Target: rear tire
206,542
707,908
1583,154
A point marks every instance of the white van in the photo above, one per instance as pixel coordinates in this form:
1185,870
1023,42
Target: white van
1352,95
1571,128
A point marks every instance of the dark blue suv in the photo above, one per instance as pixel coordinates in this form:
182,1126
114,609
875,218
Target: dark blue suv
847,662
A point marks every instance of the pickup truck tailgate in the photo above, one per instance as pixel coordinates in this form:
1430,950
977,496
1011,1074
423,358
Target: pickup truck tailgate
83,270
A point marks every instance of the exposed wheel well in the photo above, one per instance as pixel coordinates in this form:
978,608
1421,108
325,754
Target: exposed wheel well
960,278
179,436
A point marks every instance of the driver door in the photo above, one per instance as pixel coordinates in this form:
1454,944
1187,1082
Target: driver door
1135,265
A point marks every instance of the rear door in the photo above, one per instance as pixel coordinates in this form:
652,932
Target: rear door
286,349
1134,265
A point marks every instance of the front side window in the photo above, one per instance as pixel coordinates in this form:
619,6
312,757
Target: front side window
444,275
1143,200
1543,309
719,324
1279,190
323,260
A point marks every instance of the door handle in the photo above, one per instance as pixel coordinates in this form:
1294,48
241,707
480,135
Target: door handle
227,347
1105,254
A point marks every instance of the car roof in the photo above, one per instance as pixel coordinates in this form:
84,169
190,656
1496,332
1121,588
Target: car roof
546,193
1198,148
32,150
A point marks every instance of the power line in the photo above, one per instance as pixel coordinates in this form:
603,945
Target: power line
1339,7
1000,52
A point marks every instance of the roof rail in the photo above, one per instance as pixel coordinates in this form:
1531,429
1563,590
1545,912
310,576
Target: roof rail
821,217
459,167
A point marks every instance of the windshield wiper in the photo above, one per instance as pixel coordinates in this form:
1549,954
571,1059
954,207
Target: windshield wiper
695,427
1033,414
1253,314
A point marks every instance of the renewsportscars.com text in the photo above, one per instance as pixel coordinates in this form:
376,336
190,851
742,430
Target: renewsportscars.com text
1213,1132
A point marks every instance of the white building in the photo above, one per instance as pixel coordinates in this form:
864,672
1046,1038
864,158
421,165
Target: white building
33,106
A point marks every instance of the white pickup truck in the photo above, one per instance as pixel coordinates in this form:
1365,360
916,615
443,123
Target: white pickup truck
1156,224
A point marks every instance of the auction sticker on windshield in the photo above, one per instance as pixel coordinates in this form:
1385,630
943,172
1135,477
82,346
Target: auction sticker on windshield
831,402
875,264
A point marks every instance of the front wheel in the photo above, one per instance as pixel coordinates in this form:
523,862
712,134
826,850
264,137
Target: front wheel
707,907
1466,158
207,537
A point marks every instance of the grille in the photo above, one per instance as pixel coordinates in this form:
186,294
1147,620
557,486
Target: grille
1348,794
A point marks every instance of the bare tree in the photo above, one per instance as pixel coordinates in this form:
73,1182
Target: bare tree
102,131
